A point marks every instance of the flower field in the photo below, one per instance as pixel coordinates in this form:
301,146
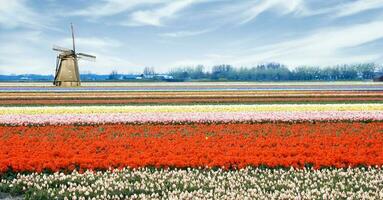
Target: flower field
301,149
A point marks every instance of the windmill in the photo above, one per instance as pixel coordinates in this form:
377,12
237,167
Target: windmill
67,73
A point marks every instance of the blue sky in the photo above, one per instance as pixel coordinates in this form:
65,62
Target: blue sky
127,35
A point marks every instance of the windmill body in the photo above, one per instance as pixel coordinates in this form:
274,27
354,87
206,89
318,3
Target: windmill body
67,73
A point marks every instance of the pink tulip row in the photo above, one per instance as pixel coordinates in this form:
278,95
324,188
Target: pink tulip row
205,117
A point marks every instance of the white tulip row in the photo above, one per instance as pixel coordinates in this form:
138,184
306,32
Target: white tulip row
248,183
106,109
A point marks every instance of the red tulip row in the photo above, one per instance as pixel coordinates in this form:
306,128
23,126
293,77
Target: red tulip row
228,145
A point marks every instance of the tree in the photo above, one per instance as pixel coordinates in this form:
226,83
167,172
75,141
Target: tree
149,71
113,76
366,71
278,72
221,72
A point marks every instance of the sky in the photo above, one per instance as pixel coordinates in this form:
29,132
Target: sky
128,35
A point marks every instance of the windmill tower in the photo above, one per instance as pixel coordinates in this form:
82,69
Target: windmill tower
67,74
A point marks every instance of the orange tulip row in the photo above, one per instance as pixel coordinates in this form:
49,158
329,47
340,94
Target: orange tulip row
228,145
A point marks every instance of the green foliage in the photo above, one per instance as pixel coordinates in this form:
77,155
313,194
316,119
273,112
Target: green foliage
277,72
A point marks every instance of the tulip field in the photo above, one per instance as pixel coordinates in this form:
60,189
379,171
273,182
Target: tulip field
192,141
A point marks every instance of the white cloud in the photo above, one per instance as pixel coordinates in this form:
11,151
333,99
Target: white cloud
345,9
324,47
141,12
106,52
185,33
154,17
29,52
112,7
359,6
106,63
21,52
301,8
23,49
89,43
16,13
208,61
282,6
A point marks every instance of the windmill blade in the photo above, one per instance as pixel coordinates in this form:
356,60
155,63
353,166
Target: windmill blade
93,59
61,49
86,57
74,47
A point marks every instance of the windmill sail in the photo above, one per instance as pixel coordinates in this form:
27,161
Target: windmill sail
86,57
74,46
61,49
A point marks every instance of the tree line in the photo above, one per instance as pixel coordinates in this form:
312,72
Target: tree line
278,72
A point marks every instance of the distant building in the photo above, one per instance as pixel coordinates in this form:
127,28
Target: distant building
24,78
163,76
157,76
147,76
132,77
